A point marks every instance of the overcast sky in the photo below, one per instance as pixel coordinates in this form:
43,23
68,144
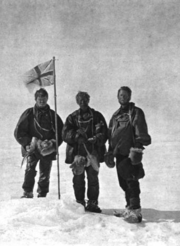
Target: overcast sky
99,46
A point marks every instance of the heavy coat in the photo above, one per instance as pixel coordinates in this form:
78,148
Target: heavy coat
37,123
128,128
94,126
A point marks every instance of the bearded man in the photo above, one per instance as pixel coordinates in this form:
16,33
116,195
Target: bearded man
128,134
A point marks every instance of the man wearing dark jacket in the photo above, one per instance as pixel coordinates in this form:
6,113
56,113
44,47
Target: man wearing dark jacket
128,133
85,130
35,132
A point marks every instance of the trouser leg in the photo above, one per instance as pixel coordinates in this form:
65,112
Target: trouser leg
130,187
79,187
30,173
44,176
134,193
93,184
122,182
124,186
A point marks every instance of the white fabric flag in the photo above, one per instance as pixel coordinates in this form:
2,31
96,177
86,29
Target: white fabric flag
41,75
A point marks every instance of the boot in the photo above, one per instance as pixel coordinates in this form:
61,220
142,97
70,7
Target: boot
127,199
27,195
123,213
81,202
41,195
92,206
133,215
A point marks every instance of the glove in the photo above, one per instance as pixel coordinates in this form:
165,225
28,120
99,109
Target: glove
136,155
78,165
130,172
109,159
46,147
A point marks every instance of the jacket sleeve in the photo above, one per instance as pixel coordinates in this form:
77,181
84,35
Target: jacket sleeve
69,131
21,132
141,130
60,127
101,132
109,134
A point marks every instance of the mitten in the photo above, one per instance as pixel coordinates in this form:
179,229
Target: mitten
46,147
130,172
78,165
109,159
136,156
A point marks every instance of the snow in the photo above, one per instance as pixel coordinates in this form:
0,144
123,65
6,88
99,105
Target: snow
53,221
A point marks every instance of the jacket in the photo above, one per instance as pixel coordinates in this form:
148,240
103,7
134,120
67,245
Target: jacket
38,123
94,125
128,128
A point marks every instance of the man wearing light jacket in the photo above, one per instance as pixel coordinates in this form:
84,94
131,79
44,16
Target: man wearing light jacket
35,132
128,134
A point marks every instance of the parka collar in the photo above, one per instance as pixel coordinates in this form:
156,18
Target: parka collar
131,106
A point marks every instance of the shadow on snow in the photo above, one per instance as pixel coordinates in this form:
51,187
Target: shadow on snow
152,215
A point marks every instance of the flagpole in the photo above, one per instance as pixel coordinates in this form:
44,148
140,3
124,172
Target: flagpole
56,127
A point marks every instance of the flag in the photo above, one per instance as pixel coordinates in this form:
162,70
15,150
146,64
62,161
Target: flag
41,75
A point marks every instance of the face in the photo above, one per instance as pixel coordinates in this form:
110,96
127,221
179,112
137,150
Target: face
123,97
83,103
41,101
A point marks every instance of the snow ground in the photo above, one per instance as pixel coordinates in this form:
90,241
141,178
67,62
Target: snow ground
51,221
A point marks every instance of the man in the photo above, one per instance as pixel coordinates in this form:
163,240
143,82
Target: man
35,132
128,133
85,131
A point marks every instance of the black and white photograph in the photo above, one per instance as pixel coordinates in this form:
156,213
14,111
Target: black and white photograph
89,123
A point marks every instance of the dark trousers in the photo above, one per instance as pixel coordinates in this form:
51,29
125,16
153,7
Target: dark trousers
44,174
92,185
130,187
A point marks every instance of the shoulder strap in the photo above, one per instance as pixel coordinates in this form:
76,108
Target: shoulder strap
131,124
36,123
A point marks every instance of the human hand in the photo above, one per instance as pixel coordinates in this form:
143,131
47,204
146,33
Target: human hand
109,159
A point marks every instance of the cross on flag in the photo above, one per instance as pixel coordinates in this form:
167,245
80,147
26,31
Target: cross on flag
41,75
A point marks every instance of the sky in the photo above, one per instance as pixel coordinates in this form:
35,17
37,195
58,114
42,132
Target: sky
99,46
